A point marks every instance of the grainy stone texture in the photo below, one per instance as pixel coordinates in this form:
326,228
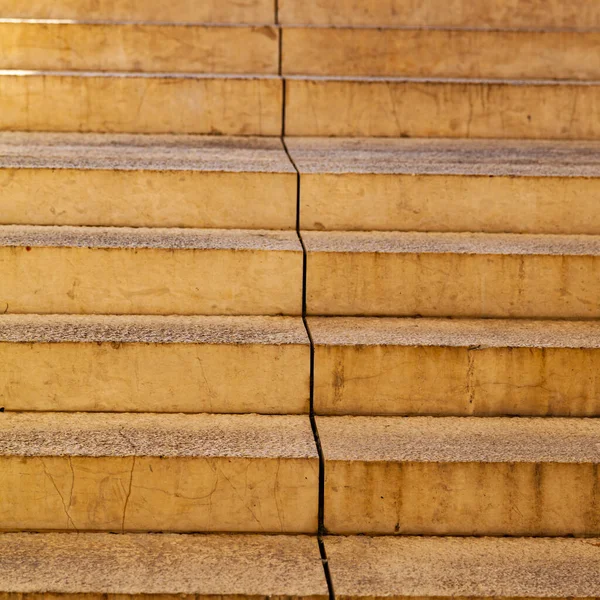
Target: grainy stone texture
154,364
363,567
167,565
488,367
469,476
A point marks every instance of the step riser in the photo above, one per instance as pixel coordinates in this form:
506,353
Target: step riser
467,203
177,11
153,198
190,378
150,281
442,13
159,494
441,109
459,381
146,48
545,499
452,285
440,53
121,104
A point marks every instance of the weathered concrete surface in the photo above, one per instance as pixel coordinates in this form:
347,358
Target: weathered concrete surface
154,364
454,108
495,186
409,567
487,367
163,566
184,473
140,47
146,181
140,103
461,476
96,270
532,14
176,11
452,275
431,52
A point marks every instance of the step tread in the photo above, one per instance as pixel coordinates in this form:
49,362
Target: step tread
460,439
147,329
165,564
143,152
472,333
156,435
138,75
390,242
445,157
142,237
443,80
464,567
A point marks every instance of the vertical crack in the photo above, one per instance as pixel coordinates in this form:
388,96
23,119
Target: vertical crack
313,422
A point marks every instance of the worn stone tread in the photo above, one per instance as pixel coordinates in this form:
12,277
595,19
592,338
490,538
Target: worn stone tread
402,567
451,243
460,439
126,152
148,329
155,435
166,564
478,333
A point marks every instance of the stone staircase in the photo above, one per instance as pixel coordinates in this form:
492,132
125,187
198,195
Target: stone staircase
274,322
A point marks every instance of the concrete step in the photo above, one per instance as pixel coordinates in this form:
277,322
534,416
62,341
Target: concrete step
461,476
180,473
169,566
146,181
453,108
495,186
428,52
492,14
175,11
154,364
488,367
140,103
124,46
452,275
403,567
103,270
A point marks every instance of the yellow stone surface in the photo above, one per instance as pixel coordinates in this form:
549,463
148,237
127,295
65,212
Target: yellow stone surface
452,275
145,271
441,53
166,566
461,476
139,103
456,108
180,473
492,14
367,366
146,181
511,186
176,11
69,45
154,364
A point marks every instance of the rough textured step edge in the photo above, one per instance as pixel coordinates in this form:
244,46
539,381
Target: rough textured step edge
441,53
154,435
126,152
403,567
450,243
139,47
168,565
460,440
142,329
442,13
455,108
478,333
129,237
211,11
